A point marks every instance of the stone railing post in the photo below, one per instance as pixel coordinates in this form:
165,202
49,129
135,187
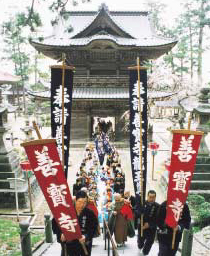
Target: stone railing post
48,228
25,238
187,242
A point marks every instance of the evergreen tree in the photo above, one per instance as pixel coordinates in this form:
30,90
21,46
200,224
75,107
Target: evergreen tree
16,48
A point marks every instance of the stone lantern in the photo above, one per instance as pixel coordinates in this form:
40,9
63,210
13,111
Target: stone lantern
201,178
202,112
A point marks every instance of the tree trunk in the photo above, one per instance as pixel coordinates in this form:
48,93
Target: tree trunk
200,47
191,54
22,80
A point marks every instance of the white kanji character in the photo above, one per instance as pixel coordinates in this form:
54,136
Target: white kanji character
181,180
58,115
177,208
136,120
58,96
45,164
135,103
135,89
185,149
57,193
136,163
58,134
66,222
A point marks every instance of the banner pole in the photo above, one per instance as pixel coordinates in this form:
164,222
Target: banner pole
37,130
173,238
63,80
140,146
189,121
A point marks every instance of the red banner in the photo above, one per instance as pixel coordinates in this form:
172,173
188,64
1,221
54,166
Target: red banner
45,162
185,147
25,165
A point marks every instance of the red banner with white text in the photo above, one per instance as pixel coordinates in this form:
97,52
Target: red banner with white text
185,147
45,162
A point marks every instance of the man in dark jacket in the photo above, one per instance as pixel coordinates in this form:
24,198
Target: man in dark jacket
88,225
165,233
149,212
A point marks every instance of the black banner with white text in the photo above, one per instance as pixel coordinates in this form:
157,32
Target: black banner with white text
135,129
56,109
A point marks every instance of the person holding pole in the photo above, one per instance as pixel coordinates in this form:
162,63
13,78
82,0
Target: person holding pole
149,211
165,233
88,225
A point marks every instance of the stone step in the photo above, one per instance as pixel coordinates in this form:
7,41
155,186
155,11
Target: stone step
4,184
202,167
203,160
5,175
203,185
201,176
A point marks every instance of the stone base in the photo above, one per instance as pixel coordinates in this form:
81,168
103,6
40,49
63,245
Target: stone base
7,196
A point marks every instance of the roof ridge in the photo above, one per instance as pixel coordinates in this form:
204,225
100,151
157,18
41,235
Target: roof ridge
80,12
111,12
111,18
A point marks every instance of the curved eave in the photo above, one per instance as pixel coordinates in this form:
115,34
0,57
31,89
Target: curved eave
203,109
160,49
100,93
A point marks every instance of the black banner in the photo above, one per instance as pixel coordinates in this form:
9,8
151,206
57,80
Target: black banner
135,129
107,147
56,109
100,148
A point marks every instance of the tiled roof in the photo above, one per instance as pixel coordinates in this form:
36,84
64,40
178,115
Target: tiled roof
100,93
134,24
167,103
142,42
8,78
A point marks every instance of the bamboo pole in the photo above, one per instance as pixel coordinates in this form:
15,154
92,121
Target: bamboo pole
153,167
37,130
63,81
189,121
140,145
173,238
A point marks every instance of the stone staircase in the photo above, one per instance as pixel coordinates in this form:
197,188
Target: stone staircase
201,179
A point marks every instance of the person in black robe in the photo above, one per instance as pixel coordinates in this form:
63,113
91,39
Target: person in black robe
88,225
149,212
77,186
165,233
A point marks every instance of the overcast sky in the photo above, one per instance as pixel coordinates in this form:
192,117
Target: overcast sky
11,6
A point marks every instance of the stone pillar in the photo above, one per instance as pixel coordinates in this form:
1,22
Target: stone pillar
25,238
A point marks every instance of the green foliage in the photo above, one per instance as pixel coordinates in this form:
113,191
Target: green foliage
199,207
186,58
37,87
10,238
196,229
31,108
204,211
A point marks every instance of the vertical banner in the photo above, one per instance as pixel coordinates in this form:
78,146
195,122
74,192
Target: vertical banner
100,148
56,109
45,162
107,147
185,147
135,128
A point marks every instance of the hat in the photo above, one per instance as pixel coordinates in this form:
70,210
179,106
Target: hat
81,194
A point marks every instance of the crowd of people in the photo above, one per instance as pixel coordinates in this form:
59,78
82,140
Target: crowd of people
99,194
